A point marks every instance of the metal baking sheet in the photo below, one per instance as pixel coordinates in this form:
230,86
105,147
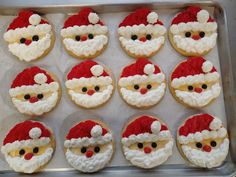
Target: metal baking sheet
116,113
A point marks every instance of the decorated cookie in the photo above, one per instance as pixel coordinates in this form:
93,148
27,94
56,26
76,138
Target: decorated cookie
89,146
203,141
35,91
28,146
89,84
193,32
142,84
195,82
147,142
29,37
84,35
141,33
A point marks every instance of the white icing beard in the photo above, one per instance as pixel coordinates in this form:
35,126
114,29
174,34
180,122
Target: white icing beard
150,98
92,164
32,51
207,159
195,46
94,100
86,48
199,99
142,48
153,159
37,108
19,164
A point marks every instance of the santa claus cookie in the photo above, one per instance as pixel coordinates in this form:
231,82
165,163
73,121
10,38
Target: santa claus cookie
195,82
84,35
28,146
141,33
29,36
89,84
147,142
142,84
35,91
193,32
203,141
89,146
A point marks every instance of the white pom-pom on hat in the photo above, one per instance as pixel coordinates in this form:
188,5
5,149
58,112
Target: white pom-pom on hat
93,18
152,17
215,124
155,127
35,133
202,16
207,66
40,78
96,131
34,19
96,70
149,69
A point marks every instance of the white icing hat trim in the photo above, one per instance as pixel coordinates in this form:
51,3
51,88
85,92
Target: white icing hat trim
96,70
155,127
152,17
80,142
207,66
137,79
40,78
202,16
93,18
35,133
215,124
149,69
96,131
34,19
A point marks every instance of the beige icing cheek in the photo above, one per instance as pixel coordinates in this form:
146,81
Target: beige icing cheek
160,144
185,87
143,85
45,95
77,151
207,142
28,38
101,88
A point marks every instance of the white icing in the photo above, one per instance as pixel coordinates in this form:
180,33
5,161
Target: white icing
202,16
19,164
90,101
153,159
137,47
93,18
97,70
149,69
156,127
34,19
32,51
40,78
152,17
86,48
215,124
195,46
92,164
150,98
195,99
38,108
207,159
35,133
96,131
207,66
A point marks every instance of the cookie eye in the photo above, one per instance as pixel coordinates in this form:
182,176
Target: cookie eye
204,86
22,40
140,145
83,150
213,144
40,96
84,89
154,145
136,87
148,36
27,97
36,150
97,88
90,36
199,145
134,37
190,88
77,38
22,152
202,34
188,34
96,149
149,86
35,38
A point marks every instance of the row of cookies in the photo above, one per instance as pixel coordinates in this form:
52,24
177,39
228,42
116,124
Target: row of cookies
141,34
146,142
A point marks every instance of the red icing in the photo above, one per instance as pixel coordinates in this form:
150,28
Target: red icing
192,66
83,70
138,17
83,129
22,20
80,19
21,131
138,67
26,77
189,15
197,123
141,125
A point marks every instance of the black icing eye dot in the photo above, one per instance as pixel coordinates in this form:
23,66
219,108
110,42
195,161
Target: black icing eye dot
84,89
35,38
27,97
90,36
213,144
148,36
154,145
199,145
134,37
22,40
190,88
136,87
149,86
204,86
77,38
202,34
97,88
140,145
36,150
96,149
40,96
83,150
188,34
22,152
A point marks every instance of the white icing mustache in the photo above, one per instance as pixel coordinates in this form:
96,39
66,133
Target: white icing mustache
88,47
207,159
